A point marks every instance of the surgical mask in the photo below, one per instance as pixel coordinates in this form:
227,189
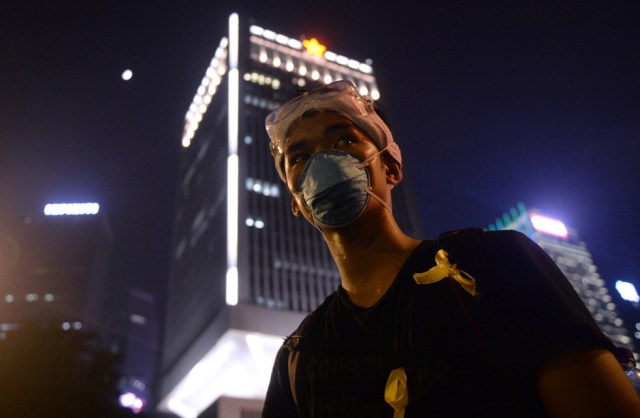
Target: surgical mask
335,187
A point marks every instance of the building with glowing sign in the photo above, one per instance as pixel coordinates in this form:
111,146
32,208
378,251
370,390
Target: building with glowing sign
244,271
572,257
54,266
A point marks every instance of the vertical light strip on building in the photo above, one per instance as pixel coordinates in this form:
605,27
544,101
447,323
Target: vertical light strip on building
233,164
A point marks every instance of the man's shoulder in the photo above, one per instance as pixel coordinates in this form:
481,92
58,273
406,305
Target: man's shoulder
478,234
310,324
477,238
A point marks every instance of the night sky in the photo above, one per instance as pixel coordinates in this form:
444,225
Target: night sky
492,104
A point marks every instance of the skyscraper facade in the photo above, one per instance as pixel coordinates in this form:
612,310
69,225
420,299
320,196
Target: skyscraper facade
574,259
244,270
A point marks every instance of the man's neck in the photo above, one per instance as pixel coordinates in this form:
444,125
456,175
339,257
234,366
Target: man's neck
369,259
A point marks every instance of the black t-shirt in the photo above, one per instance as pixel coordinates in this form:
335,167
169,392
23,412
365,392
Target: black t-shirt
464,356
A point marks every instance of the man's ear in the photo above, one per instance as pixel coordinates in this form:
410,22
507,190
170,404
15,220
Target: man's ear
294,207
393,170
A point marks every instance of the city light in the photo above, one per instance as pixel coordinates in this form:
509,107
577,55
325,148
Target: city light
71,209
627,291
127,74
233,171
131,401
549,226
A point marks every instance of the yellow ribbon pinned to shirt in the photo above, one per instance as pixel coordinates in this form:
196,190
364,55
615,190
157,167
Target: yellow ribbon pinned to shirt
396,392
443,269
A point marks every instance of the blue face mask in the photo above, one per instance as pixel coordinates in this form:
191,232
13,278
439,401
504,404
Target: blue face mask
335,187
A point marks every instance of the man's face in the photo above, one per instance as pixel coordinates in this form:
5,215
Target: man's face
322,131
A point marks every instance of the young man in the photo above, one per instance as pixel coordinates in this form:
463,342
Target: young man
473,324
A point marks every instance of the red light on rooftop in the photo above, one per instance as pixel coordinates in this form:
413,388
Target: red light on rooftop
313,47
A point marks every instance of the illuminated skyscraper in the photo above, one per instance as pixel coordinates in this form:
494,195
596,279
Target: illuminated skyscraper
244,270
572,257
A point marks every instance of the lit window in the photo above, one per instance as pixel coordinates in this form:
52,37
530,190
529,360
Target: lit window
353,64
138,319
256,30
138,384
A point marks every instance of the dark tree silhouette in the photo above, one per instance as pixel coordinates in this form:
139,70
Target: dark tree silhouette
46,371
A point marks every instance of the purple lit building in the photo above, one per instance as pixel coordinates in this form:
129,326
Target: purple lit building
572,257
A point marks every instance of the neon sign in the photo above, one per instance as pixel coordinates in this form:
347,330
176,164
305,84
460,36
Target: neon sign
71,209
549,226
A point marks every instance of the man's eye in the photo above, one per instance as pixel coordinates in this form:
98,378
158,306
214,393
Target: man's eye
298,158
345,141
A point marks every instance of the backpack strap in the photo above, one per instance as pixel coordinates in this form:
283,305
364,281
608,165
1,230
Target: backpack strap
294,344
300,343
294,356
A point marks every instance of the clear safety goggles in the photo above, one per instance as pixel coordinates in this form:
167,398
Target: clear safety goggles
341,97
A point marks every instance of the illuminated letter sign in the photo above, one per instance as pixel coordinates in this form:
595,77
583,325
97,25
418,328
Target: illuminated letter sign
58,209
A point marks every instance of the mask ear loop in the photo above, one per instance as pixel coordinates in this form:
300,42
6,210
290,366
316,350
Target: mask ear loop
369,189
311,216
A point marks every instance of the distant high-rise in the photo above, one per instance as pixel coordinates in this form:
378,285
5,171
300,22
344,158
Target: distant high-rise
135,336
54,267
244,270
575,261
